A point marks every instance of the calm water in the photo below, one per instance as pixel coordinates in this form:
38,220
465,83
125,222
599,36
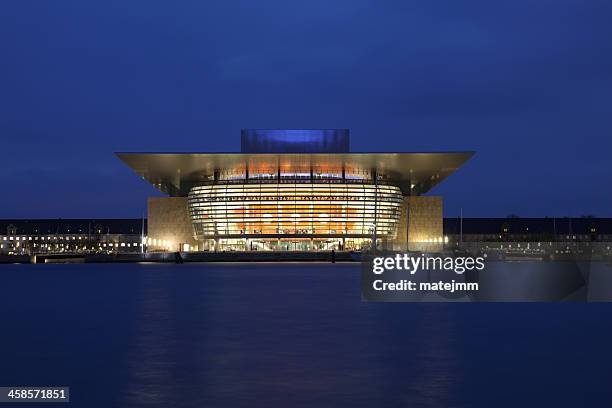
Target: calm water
287,335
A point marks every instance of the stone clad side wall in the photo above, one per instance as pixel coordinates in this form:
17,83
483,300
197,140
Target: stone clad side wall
169,224
425,224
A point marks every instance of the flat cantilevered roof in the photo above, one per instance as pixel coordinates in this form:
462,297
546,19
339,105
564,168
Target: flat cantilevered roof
176,173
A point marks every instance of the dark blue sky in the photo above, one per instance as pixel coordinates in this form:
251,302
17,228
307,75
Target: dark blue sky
526,84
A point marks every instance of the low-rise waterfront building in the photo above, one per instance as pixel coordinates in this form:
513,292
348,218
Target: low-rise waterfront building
54,236
118,236
519,229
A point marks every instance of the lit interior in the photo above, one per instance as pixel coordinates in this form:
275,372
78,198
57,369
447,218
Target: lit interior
313,209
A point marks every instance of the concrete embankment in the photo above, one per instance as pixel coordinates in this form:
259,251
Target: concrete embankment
187,257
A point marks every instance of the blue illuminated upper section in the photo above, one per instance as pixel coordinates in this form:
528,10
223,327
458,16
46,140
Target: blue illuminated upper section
294,141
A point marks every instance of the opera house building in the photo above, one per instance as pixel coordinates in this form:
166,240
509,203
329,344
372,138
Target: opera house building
294,190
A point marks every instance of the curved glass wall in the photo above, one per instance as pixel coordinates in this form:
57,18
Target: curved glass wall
308,209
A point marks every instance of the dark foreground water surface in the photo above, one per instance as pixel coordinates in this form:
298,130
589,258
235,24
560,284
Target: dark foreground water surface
287,335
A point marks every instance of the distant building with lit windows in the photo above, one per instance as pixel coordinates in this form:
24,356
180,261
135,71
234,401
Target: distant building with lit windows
294,190
61,236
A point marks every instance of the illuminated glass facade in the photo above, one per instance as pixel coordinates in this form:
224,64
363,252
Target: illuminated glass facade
317,210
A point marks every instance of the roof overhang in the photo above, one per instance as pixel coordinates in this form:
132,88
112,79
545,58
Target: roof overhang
176,173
